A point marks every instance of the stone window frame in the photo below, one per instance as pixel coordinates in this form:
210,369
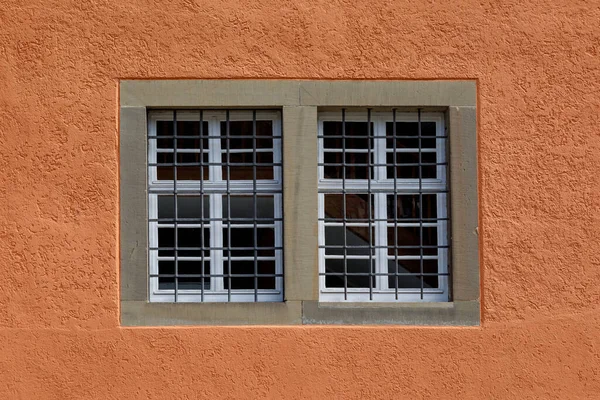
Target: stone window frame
299,101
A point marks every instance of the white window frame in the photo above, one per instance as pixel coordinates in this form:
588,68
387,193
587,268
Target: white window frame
214,188
382,186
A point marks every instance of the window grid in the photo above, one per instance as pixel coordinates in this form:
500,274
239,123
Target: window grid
218,284
379,186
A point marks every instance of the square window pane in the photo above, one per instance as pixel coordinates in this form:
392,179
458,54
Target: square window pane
183,268
410,237
357,240
413,267
357,270
356,135
411,171
189,129
408,207
187,207
244,237
357,207
243,207
407,135
358,170
263,267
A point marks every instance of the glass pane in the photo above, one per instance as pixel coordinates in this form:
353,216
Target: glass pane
192,238
240,134
184,268
264,168
244,237
357,240
407,206
409,135
357,206
411,237
243,207
263,267
359,169
187,207
186,237
356,135
412,171
191,171
334,270
189,129
413,267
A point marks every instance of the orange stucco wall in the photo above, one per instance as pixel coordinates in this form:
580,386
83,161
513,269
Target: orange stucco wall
538,69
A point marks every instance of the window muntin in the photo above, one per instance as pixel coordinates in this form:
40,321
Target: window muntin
383,212
214,239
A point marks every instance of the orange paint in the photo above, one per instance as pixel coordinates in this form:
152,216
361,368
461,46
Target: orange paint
538,71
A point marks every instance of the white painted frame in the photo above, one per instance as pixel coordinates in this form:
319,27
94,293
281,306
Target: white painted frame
214,188
382,186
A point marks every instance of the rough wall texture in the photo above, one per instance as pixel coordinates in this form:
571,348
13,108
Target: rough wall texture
538,69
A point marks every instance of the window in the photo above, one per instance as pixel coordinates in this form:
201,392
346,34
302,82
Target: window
215,206
286,202
382,206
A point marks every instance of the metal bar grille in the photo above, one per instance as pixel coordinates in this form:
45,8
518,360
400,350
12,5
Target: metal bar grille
215,206
384,211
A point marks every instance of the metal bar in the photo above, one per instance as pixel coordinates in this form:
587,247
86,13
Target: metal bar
420,202
201,132
175,213
344,214
227,132
369,202
255,201
395,200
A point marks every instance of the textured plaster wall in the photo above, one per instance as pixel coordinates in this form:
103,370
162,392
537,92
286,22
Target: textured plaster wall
538,69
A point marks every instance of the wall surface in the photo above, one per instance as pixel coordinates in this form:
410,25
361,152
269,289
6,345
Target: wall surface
537,64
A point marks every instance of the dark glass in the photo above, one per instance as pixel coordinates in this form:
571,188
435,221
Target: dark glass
183,268
263,267
187,207
189,129
359,171
355,237
411,171
353,266
240,135
264,168
186,237
243,207
190,172
413,267
411,236
357,206
410,129
244,237
356,135
407,206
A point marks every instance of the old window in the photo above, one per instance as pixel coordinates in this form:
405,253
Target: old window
382,206
281,202
215,206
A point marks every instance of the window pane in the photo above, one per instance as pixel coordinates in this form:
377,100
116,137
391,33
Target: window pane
407,206
410,240
357,165
356,135
187,129
184,268
357,206
411,171
243,207
244,237
264,267
358,271
187,207
407,135
413,267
